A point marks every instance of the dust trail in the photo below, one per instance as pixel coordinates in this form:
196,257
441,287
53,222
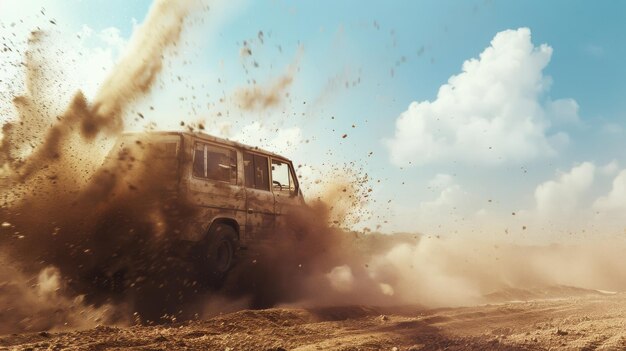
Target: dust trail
271,95
132,78
296,268
459,271
313,262
66,217
135,74
320,265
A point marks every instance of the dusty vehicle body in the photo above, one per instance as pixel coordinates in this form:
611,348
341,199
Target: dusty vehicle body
229,198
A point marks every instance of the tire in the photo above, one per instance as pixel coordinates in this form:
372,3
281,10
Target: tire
219,252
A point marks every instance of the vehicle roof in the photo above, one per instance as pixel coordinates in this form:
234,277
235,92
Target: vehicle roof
211,138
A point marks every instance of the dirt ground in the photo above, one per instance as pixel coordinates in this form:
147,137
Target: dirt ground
591,322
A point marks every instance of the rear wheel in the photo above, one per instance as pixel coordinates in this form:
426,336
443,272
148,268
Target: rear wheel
220,252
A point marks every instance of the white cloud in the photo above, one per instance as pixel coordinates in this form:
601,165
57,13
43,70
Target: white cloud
562,196
269,136
94,56
610,168
279,140
613,128
564,112
559,209
489,113
449,198
444,213
615,200
112,37
441,181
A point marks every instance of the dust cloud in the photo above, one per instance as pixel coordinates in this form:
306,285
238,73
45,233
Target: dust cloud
85,238
271,95
65,216
322,265
40,303
132,78
437,272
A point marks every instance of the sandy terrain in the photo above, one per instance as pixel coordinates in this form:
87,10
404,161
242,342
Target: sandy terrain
591,322
71,228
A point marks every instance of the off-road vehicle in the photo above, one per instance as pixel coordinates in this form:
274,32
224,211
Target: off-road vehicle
228,196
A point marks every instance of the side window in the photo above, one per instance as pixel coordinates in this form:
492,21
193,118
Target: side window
215,163
198,161
282,179
256,171
248,169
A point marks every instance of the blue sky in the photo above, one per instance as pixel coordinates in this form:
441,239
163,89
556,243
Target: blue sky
391,54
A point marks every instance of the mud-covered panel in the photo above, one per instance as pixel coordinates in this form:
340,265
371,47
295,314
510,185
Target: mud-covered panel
214,200
260,221
216,194
211,182
197,229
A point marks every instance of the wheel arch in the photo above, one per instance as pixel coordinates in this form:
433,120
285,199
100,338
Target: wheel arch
231,222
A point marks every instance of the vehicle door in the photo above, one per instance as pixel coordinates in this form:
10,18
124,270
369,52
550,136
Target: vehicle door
213,187
285,188
259,197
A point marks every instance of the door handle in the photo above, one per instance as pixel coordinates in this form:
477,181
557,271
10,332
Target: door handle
250,211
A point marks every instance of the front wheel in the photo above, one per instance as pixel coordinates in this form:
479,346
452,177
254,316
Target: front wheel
219,252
